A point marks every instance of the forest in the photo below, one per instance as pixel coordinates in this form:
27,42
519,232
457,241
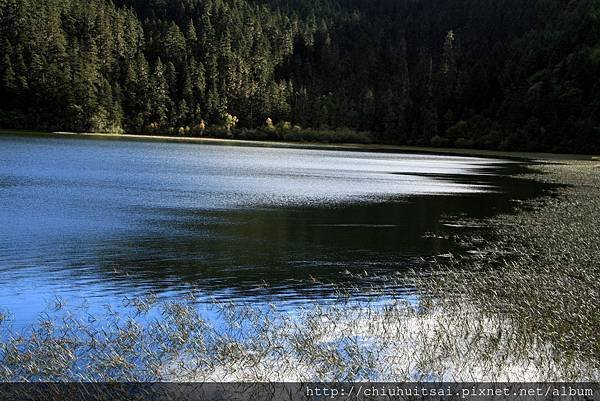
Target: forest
490,74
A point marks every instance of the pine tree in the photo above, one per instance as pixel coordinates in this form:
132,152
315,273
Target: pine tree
160,101
7,73
430,125
174,43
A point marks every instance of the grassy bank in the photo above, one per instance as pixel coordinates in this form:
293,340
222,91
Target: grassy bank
286,143
523,306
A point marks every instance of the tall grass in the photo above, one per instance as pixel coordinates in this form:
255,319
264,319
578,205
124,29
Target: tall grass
347,341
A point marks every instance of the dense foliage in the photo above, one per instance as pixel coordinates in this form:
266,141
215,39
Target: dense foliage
500,74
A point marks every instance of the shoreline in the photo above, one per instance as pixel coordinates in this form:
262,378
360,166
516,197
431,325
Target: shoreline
532,156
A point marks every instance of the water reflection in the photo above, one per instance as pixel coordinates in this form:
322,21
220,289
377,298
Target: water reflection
98,220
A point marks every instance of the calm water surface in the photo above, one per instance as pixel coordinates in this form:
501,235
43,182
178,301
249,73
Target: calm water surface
97,220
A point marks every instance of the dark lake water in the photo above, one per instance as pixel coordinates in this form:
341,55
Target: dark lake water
97,220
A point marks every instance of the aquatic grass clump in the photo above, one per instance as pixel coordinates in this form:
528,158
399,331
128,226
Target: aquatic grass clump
348,341
71,345
540,266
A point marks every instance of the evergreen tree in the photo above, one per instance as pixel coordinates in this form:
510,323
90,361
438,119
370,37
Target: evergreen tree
160,103
508,74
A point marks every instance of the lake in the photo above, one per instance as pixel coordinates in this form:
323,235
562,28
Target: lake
94,221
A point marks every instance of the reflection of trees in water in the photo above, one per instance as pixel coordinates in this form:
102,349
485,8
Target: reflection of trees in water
296,251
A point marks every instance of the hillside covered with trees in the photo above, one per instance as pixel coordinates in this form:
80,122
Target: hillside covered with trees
496,74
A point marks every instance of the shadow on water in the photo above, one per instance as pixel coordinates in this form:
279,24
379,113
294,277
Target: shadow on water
299,252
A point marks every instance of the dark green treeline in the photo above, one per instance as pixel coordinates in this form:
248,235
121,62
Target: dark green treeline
498,74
